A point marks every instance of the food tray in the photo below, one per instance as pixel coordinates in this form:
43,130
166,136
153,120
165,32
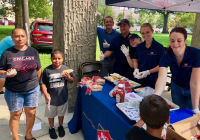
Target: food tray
108,81
131,112
132,96
175,107
133,83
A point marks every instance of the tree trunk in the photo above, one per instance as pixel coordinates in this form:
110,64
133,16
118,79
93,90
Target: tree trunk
196,33
74,33
18,14
165,23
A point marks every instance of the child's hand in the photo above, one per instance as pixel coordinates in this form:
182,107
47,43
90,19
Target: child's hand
66,75
47,98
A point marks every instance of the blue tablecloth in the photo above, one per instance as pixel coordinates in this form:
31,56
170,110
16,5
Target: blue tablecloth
98,111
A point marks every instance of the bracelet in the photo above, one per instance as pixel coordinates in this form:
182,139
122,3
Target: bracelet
4,74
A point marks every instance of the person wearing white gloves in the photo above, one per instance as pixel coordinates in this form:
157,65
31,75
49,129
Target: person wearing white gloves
105,37
134,41
146,58
121,65
184,63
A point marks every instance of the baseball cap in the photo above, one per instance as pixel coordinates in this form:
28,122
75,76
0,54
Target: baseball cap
124,21
133,36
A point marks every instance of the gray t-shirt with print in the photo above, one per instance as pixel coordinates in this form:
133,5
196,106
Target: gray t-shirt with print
56,84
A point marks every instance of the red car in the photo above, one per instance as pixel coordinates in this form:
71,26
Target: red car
10,22
41,33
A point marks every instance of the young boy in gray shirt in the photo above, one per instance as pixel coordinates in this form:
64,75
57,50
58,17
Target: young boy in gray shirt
54,86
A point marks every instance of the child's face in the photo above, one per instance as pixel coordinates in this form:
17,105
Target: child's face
57,60
134,42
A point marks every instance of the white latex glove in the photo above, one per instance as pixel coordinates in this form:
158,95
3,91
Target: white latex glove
135,73
105,44
144,74
195,111
101,56
125,50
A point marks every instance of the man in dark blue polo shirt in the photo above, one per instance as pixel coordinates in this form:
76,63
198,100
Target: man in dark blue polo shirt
121,65
105,37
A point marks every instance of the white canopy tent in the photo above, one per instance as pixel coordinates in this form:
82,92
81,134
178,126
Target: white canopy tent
191,6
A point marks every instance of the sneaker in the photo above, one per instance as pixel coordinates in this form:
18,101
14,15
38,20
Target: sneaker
61,131
1,92
52,133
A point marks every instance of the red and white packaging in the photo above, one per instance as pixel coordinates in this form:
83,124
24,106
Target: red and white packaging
99,80
91,86
120,94
128,87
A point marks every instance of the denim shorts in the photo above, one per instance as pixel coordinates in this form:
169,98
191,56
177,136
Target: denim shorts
17,100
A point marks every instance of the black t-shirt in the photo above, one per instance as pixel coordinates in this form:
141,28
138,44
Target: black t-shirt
121,65
26,63
137,133
56,84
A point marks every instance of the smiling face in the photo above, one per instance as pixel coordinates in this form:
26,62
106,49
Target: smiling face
124,28
134,42
19,37
108,23
177,42
57,60
146,33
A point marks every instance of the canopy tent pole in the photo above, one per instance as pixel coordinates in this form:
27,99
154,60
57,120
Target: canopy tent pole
106,11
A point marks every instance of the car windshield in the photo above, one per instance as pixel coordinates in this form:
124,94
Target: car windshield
44,27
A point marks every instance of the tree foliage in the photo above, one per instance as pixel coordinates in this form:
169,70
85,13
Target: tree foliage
186,20
145,16
37,8
119,17
131,19
3,11
101,9
40,9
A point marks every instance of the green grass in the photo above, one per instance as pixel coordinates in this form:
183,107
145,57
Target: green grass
45,54
45,60
162,38
5,31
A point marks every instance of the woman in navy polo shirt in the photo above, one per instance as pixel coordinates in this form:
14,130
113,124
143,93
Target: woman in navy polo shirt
184,63
146,58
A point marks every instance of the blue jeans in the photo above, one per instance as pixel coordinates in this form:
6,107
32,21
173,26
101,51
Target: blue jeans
181,96
108,66
17,100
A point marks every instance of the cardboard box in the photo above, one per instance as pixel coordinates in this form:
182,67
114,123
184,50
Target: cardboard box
183,130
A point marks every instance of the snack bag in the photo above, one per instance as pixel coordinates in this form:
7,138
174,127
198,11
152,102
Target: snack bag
99,80
90,84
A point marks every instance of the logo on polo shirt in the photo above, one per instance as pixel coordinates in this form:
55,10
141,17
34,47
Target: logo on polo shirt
152,53
186,65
